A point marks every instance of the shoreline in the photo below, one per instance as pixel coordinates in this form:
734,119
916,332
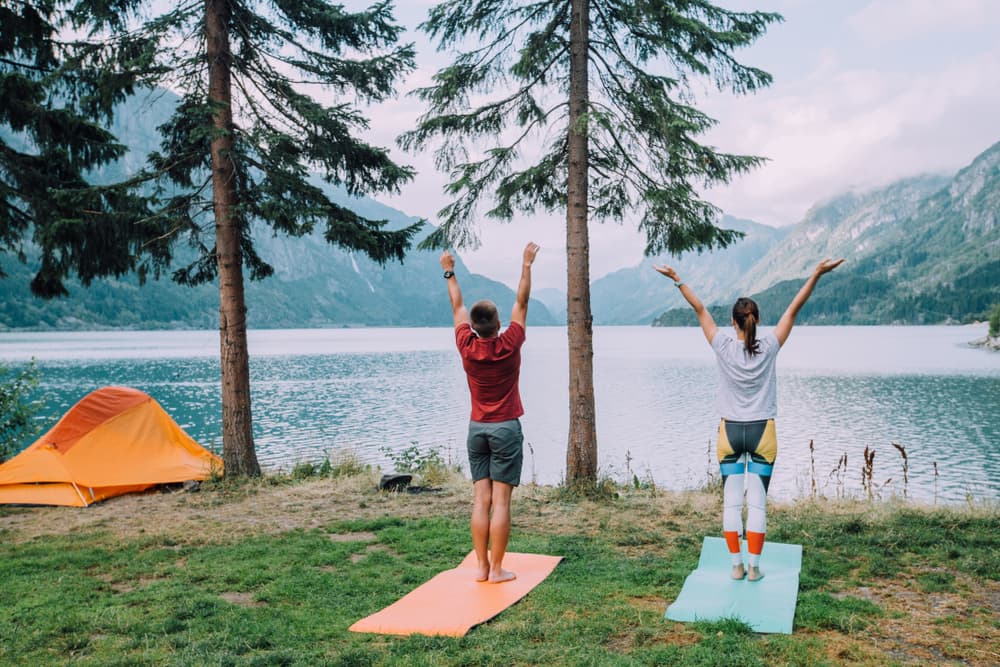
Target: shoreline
157,327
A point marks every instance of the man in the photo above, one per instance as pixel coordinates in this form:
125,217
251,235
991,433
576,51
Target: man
492,363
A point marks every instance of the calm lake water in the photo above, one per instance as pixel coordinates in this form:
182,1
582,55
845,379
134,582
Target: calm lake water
319,391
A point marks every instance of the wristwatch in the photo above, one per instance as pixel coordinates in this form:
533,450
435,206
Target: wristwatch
448,274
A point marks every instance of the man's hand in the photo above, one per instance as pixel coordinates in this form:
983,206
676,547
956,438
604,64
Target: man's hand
519,313
530,251
447,261
668,272
827,265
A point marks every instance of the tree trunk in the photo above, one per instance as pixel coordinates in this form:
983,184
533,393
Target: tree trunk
581,451
237,433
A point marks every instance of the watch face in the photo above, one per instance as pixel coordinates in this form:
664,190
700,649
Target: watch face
448,274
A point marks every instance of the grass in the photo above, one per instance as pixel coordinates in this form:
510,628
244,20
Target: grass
218,584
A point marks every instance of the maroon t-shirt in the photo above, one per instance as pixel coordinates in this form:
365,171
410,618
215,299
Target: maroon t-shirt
492,366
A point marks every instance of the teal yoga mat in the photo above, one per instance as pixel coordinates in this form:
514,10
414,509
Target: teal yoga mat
768,605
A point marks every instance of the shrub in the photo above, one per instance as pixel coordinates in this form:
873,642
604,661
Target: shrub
995,320
18,409
428,464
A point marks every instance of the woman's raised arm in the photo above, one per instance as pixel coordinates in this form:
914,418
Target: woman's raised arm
787,320
705,319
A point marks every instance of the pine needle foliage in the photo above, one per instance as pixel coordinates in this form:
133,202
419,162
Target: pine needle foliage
283,55
506,94
58,89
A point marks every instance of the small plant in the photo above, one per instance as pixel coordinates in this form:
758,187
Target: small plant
812,470
838,474
604,489
995,320
906,466
935,482
534,478
344,463
429,464
18,409
867,470
305,470
647,483
713,475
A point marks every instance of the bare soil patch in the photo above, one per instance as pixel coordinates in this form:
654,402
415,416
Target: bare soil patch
241,599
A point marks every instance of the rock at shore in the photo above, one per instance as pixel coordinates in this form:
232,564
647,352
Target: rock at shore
989,342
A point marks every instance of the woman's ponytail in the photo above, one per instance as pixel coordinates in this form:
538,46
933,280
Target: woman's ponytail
746,315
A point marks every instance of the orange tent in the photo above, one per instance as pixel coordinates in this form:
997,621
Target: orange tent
116,440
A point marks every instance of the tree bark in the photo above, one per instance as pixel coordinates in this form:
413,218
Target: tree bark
581,450
237,433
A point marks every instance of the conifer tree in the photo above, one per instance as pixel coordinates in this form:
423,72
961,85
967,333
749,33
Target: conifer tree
605,86
55,93
238,152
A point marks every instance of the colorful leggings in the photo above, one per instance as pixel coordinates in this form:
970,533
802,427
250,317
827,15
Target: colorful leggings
746,450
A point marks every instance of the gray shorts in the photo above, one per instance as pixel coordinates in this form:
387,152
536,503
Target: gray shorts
495,451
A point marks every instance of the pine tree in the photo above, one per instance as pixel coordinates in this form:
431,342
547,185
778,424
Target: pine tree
55,93
237,154
605,85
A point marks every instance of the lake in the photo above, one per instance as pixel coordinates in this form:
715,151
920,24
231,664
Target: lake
317,391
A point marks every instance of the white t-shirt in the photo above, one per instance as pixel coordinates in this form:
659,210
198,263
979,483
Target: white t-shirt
748,385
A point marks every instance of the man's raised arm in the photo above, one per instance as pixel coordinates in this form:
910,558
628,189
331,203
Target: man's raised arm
519,313
458,309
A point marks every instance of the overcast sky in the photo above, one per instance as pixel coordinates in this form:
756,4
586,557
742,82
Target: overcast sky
865,92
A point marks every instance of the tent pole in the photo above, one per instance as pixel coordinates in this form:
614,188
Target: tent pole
82,499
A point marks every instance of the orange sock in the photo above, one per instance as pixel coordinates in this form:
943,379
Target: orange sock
732,541
755,542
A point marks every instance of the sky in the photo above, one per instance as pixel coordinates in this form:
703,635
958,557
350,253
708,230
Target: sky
865,92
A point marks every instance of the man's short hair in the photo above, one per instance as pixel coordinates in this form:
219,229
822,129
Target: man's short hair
485,318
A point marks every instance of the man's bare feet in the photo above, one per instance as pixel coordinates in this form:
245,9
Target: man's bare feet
755,574
501,576
738,572
484,572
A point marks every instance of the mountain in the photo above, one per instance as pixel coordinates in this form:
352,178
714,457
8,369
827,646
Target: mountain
554,299
850,225
638,294
314,283
920,251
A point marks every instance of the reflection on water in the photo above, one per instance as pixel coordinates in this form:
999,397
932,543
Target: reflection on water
368,390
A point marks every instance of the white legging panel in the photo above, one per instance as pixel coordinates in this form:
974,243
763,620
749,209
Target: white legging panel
756,504
732,509
732,504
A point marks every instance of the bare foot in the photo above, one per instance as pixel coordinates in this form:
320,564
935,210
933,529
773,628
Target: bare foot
502,576
483,573
755,574
738,571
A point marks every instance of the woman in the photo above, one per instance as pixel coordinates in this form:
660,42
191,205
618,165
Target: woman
747,403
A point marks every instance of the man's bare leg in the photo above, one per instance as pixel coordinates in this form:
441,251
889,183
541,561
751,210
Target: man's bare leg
500,532
483,489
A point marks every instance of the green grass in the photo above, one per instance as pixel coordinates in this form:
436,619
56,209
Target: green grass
288,599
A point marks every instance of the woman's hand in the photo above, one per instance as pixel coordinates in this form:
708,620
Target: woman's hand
669,272
827,265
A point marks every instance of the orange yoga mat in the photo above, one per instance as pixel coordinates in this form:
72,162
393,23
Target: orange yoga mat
453,602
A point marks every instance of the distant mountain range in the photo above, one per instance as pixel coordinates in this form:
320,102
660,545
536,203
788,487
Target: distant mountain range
637,295
921,250
314,284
